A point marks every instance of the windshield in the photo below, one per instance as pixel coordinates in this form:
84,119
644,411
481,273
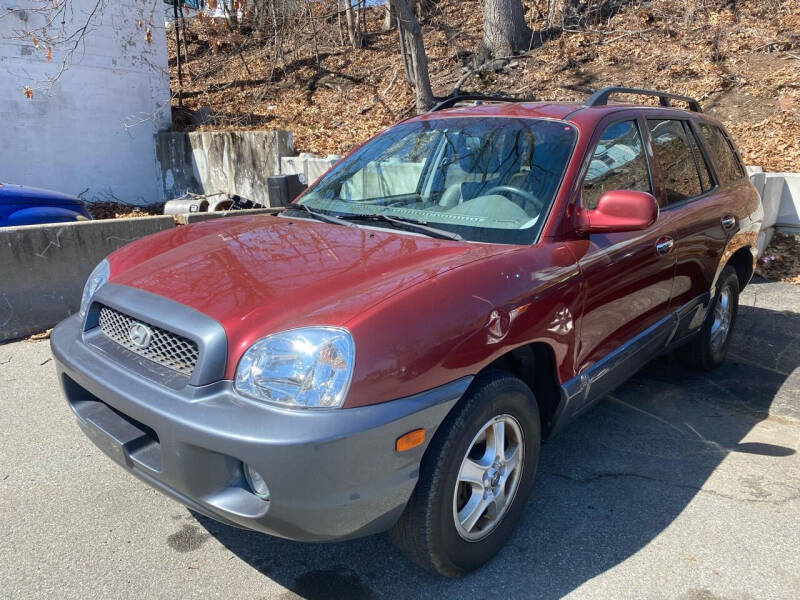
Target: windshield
485,179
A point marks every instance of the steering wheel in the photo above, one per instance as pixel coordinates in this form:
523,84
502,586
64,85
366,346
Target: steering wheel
527,196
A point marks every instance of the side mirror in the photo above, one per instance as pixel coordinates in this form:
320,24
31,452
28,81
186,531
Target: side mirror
620,210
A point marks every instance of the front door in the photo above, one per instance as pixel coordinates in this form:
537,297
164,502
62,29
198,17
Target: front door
627,276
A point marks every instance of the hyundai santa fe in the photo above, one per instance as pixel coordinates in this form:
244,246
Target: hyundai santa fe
389,352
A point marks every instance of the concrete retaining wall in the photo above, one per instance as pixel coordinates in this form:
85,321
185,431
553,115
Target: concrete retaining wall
43,268
209,162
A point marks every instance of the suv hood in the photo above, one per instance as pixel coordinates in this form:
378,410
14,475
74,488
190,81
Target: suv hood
262,274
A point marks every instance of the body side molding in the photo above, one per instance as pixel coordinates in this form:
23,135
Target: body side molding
592,384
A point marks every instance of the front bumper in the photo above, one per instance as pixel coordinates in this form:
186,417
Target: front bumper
332,474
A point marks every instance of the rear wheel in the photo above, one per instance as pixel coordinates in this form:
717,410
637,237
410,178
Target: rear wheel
474,479
708,349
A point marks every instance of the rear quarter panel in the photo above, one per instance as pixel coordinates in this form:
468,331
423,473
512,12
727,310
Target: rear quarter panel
742,200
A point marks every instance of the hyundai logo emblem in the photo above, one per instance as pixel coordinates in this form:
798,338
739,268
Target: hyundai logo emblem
141,335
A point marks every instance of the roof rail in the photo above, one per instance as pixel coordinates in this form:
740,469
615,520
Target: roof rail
453,100
600,97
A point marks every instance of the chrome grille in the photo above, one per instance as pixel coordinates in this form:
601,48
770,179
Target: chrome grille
165,348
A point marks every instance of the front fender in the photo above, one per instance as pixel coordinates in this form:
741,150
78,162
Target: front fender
458,322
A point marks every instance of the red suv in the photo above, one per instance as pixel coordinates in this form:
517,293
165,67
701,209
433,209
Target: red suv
389,352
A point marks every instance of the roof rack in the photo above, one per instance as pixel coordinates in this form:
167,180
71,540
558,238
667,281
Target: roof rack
600,97
453,100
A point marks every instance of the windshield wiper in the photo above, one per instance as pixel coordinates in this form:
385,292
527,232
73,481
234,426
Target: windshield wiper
408,224
322,216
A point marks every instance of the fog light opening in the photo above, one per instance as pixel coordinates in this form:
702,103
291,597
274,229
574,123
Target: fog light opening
257,484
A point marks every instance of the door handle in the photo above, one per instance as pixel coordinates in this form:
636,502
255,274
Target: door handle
728,222
664,245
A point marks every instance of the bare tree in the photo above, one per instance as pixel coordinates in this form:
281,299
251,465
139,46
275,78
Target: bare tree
422,8
389,17
411,38
353,29
555,14
175,12
504,30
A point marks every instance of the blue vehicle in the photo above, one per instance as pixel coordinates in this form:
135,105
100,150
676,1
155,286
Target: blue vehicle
23,205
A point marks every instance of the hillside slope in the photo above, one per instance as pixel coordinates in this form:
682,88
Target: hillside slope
743,65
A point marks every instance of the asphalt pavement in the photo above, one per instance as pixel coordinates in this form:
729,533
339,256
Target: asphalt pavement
680,485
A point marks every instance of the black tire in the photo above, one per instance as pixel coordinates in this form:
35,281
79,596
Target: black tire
426,532
702,353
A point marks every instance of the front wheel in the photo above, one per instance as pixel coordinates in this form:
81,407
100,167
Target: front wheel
708,349
474,479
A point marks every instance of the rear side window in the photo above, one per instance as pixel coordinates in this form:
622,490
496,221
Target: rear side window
678,166
728,166
702,166
618,163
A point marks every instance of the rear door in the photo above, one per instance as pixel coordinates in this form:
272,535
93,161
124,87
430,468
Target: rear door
696,199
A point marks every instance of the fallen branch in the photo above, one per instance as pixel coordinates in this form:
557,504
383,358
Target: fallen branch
391,83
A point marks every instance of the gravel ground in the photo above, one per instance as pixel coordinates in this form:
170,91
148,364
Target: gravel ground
680,485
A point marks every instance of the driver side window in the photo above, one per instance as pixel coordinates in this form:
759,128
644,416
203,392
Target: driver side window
618,163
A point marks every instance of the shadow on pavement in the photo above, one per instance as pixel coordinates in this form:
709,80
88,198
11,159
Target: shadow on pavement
606,487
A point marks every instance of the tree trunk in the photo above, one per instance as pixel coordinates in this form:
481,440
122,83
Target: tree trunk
401,36
353,31
407,21
504,29
555,14
388,18
362,16
178,53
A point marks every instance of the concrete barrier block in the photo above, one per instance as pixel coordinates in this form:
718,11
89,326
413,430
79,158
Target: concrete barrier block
309,166
764,238
757,179
789,205
771,193
317,167
294,165
43,267
780,195
189,218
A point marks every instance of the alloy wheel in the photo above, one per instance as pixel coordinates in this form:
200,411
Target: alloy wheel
488,478
723,314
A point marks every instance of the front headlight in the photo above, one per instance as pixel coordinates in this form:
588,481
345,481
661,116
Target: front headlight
309,367
97,278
